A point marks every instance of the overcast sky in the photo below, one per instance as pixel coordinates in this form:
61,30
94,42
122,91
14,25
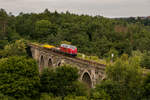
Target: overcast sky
107,8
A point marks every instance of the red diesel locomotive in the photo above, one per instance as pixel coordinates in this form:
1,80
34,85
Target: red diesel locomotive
64,48
68,49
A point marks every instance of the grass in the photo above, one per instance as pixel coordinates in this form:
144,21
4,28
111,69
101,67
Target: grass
91,58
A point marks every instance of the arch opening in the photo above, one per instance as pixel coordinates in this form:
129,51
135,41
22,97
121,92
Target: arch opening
50,64
41,63
29,52
59,64
86,79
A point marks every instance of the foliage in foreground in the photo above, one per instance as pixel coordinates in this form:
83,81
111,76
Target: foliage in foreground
124,80
45,96
146,85
62,82
3,97
19,77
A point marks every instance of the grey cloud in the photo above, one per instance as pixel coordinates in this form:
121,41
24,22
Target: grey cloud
109,8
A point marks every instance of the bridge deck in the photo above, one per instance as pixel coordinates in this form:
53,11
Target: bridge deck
75,59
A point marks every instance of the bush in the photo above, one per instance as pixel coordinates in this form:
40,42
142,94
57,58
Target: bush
19,77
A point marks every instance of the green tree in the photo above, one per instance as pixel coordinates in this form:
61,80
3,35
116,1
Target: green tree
19,77
14,49
43,28
124,79
3,97
3,43
45,96
80,89
62,81
145,61
112,55
3,22
146,85
105,91
108,90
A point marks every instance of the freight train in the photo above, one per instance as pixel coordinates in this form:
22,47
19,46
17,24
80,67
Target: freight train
64,48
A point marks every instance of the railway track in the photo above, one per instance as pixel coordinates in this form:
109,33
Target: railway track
79,60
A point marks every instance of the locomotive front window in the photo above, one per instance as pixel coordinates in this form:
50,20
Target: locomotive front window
73,47
68,46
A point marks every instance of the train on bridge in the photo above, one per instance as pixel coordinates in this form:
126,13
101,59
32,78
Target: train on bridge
64,48
47,55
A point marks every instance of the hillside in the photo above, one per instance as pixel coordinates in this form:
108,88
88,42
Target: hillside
95,36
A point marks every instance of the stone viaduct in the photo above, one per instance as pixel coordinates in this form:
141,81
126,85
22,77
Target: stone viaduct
90,72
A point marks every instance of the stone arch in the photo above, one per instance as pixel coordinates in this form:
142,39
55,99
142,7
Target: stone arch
104,77
85,77
41,64
50,62
101,76
59,63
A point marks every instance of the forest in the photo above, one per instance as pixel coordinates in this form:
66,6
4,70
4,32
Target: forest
127,73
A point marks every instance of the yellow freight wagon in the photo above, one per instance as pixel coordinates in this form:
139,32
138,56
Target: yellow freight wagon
48,46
